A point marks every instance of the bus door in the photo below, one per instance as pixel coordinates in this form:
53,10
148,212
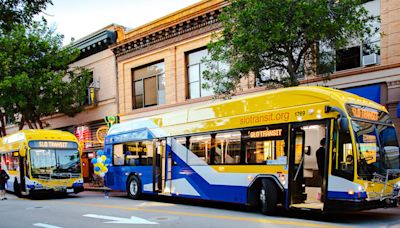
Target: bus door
307,162
159,165
22,165
296,166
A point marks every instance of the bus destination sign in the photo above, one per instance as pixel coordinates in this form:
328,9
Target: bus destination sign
365,114
53,144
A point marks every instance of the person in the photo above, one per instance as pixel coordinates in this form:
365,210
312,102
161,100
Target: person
320,154
3,180
349,162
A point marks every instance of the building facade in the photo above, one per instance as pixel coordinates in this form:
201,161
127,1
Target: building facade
159,64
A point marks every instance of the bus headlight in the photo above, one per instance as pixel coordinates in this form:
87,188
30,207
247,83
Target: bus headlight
397,185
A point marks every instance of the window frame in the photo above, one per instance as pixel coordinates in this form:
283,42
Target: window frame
142,80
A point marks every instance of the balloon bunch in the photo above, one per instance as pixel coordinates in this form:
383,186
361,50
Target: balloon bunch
100,163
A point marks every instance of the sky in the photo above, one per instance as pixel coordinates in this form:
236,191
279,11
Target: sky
78,18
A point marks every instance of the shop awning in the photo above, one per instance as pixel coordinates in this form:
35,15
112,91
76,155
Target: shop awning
371,92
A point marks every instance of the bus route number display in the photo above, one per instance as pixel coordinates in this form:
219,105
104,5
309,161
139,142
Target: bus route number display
53,144
364,114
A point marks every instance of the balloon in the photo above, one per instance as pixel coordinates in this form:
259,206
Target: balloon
99,160
104,169
108,161
102,174
103,158
97,169
100,153
94,161
97,173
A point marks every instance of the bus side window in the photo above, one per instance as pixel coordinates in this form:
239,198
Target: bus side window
200,145
227,149
118,154
342,155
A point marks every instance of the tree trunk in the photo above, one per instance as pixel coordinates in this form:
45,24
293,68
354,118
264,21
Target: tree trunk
3,126
22,123
40,124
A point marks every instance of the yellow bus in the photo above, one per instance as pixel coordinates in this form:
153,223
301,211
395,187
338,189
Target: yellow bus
301,148
41,161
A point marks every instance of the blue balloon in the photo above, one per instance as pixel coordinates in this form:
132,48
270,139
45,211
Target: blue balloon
94,161
100,152
108,161
96,168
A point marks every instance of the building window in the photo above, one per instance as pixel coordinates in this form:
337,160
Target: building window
90,92
149,85
196,65
348,58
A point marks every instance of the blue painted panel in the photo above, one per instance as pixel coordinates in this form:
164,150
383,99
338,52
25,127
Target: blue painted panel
345,196
371,92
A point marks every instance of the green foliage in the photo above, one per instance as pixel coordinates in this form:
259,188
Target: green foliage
260,35
13,12
35,79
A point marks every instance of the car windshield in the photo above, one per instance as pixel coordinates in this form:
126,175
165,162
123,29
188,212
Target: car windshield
55,163
378,149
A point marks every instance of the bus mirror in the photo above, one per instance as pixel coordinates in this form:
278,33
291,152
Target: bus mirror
342,119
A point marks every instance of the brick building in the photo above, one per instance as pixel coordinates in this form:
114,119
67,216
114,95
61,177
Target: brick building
159,67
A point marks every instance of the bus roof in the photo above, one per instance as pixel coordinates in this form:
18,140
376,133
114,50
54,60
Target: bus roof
270,100
36,134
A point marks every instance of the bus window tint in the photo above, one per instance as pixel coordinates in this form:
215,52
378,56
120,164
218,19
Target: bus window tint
227,150
388,139
201,146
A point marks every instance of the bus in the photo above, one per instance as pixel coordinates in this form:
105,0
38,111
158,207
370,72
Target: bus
260,150
41,161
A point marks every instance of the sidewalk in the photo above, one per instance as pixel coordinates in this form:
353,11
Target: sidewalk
91,187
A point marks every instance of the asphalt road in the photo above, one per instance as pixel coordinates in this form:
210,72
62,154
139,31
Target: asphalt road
92,209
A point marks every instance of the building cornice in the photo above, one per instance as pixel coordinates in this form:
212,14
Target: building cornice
189,22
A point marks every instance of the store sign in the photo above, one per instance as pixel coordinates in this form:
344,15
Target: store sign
265,133
53,144
365,114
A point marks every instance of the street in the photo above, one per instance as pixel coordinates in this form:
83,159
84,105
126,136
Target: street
92,209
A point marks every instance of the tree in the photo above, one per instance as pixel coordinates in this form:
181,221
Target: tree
284,35
13,12
35,79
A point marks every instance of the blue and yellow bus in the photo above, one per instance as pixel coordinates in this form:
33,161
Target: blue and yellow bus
261,150
41,161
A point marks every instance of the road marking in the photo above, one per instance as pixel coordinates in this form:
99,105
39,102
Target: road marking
248,219
46,225
132,220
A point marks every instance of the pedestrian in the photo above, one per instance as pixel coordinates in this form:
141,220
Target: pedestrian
3,180
320,154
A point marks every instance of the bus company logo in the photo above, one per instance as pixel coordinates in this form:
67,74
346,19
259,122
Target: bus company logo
265,133
283,116
50,144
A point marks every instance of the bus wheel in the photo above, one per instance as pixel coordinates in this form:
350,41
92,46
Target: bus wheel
268,196
17,189
133,187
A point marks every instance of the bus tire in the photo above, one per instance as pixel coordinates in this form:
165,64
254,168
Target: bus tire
268,196
17,189
133,187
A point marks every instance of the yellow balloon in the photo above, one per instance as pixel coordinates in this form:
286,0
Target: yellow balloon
103,157
104,169
97,173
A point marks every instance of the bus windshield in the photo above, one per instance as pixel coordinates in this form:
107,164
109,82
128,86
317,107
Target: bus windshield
378,149
55,163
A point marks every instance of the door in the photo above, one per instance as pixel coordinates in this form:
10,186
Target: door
22,165
307,161
158,165
296,167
